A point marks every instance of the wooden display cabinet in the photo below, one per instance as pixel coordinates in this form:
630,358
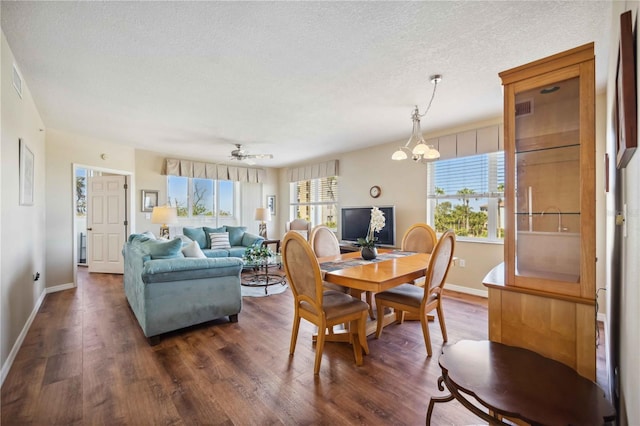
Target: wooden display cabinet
543,296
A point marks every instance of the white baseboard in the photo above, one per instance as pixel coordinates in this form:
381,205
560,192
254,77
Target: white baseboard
18,344
60,287
466,290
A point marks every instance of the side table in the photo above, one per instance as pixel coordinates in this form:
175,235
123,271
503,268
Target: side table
266,243
261,276
517,383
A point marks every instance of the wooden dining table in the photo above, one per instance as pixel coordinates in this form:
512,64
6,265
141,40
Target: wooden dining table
390,269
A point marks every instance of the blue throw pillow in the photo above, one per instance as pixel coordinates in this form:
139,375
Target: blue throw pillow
235,234
162,249
197,234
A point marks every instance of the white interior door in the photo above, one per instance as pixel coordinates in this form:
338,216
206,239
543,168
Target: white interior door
106,229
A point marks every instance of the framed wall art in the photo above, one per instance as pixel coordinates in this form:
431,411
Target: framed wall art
26,174
271,204
626,122
149,200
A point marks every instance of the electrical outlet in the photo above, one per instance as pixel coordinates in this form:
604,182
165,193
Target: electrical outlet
461,263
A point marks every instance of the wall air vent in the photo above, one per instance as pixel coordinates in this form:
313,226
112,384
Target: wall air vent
17,81
524,108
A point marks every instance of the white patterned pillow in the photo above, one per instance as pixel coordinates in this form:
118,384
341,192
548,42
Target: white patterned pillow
192,249
220,240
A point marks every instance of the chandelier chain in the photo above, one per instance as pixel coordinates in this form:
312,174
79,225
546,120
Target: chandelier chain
433,94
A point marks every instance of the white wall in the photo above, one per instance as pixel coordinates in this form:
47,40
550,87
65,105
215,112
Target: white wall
22,228
63,151
628,286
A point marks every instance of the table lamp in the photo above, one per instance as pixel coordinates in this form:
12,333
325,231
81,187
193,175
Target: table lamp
164,215
263,215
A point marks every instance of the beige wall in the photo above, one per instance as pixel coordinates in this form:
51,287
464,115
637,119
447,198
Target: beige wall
403,184
63,151
22,228
148,176
149,166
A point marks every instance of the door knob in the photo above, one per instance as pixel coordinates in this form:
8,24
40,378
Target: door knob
89,229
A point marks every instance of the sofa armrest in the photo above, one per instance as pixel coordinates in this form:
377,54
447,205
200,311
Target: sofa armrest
249,239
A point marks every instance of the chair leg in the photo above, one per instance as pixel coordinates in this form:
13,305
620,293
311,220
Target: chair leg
425,333
362,333
443,327
294,333
369,302
380,311
319,347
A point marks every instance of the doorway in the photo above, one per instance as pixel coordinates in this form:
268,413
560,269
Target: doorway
85,211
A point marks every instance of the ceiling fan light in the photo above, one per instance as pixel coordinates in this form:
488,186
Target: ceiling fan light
399,155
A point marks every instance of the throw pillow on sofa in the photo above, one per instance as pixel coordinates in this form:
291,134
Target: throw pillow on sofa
235,234
209,231
219,240
162,249
193,250
197,234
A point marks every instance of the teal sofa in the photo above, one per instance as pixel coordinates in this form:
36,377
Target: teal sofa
167,291
239,240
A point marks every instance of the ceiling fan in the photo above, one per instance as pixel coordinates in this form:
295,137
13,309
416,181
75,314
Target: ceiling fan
241,154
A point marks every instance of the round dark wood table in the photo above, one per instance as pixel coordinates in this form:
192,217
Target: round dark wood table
517,383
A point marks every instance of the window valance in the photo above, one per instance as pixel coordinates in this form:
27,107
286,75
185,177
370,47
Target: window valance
196,169
313,171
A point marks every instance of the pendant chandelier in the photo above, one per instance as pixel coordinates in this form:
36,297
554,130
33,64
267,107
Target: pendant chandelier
421,152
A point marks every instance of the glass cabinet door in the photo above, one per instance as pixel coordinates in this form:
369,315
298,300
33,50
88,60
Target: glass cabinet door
547,182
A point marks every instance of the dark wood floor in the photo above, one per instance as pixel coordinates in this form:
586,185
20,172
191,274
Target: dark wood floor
86,361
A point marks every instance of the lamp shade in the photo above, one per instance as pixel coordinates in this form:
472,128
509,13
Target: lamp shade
263,214
164,215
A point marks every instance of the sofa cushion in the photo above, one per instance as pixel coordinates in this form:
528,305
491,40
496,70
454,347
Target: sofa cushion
235,234
162,249
219,240
197,234
193,250
237,251
216,253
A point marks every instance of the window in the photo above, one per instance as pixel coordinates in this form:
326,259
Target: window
201,197
315,200
467,195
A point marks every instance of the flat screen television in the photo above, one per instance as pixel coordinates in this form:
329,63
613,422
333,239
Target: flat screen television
355,224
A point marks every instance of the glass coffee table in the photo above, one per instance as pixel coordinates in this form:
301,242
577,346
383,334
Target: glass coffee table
260,277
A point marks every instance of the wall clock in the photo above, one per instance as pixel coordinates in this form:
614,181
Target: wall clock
375,191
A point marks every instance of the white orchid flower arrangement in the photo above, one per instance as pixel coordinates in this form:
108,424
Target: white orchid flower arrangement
375,225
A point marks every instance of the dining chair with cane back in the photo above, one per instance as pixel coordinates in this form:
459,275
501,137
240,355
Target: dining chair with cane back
303,227
324,308
421,300
420,238
325,243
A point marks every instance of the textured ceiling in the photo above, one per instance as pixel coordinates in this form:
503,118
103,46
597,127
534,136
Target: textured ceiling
295,79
